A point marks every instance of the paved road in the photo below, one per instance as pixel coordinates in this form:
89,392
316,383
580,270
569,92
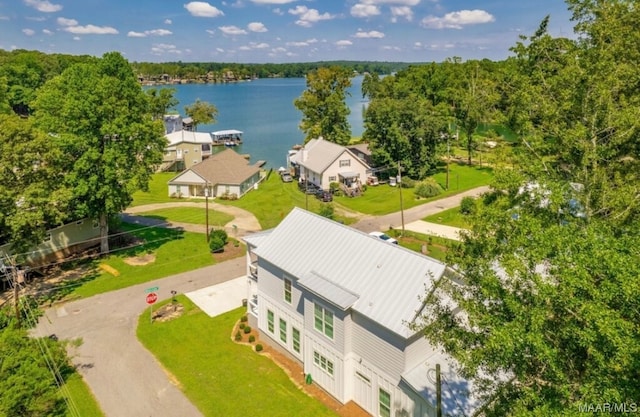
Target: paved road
373,223
126,380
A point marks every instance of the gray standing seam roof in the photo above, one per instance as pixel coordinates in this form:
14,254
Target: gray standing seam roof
390,281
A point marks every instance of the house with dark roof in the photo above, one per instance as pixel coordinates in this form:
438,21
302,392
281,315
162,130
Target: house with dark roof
322,162
226,173
342,303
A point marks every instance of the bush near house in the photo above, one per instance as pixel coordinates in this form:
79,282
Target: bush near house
427,188
217,239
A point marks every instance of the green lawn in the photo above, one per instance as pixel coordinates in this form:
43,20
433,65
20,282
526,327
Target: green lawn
219,376
274,199
196,215
158,190
384,199
174,251
451,217
80,400
437,247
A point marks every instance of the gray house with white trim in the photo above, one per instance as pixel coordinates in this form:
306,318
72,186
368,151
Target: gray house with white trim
340,302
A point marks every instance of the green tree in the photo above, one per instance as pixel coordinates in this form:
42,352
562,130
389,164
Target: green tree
33,197
542,311
160,101
201,112
98,114
323,106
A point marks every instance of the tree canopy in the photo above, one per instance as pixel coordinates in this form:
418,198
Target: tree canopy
99,116
201,112
323,106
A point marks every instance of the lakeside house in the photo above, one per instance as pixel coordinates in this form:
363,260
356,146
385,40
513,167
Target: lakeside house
322,162
185,148
341,304
226,174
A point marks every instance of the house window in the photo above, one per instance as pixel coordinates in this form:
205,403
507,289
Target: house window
332,179
283,331
295,334
323,363
323,320
384,403
287,290
270,325
345,163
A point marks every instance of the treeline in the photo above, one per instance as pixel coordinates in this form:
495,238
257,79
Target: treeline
198,70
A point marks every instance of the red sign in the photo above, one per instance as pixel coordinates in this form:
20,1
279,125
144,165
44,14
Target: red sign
152,298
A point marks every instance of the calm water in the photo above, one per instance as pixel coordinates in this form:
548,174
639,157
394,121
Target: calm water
263,109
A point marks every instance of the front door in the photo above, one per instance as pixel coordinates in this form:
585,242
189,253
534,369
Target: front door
362,393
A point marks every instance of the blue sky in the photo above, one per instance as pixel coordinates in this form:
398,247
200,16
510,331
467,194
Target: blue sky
278,30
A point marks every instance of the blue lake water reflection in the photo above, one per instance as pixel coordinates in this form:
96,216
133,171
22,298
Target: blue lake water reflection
263,109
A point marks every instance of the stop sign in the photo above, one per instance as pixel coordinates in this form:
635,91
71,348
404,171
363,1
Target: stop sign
152,298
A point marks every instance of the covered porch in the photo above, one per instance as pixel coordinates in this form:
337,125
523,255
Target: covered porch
350,183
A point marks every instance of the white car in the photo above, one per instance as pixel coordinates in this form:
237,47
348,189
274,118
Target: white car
384,237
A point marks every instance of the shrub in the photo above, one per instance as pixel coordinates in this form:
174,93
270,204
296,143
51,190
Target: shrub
221,233
327,210
252,338
244,318
216,244
258,347
407,182
247,329
242,325
468,205
238,336
427,188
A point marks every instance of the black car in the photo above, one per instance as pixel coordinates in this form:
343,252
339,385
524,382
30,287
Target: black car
323,195
308,188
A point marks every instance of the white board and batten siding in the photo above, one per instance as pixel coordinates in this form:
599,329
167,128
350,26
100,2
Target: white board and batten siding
290,317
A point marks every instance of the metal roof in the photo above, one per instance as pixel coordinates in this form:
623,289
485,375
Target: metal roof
328,290
320,154
389,280
182,136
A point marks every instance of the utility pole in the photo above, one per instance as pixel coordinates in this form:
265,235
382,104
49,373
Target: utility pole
438,392
8,267
401,205
448,157
206,207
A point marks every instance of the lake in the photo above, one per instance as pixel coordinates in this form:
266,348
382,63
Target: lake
263,109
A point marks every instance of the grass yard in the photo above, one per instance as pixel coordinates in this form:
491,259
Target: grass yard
274,199
451,217
384,199
158,190
173,252
437,247
80,400
220,377
195,215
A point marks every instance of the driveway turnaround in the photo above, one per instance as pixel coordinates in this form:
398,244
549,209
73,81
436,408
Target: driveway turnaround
125,378
434,229
220,298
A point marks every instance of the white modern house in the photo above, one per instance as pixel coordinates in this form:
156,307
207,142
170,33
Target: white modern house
322,162
340,302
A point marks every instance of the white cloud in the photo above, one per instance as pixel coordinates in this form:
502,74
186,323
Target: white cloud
400,2
220,50
278,11
344,42
232,30
279,50
210,31
370,34
167,21
365,10
307,17
66,22
272,1
47,32
203,9
154,32
36,18
91,30
261,45
4,17
456,20
164,48
256,27
401,11
302,43
391,48
44,6
244,48
76,38
29,32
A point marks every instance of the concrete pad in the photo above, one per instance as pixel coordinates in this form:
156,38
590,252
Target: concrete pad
220,298
434,229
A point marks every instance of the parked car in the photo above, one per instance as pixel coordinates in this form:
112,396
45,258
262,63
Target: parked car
323,195
286,177
308,188
384,237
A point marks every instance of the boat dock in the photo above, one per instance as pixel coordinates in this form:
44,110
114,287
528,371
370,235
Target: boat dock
230,137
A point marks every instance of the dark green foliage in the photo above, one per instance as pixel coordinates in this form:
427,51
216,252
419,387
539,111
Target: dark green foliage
221,234
252,338
327,210
216,244
427,188
238,336
247,330
407,182
259,347
244,318
241,325
468,205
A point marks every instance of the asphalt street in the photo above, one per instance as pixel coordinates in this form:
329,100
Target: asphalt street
125,378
